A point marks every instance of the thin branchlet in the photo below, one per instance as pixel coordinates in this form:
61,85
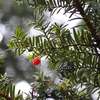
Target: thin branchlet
6,97
88,23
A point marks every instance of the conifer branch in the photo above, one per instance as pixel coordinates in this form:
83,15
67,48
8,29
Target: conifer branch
88,23
6,97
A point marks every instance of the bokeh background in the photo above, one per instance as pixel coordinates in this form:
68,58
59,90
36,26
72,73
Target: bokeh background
12,16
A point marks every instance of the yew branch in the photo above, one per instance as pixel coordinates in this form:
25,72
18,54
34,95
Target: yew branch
88,23
6,97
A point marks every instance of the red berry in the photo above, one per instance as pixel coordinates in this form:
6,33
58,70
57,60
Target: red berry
36,61
63,90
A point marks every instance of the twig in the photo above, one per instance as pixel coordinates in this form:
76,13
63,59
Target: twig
88,23
6,97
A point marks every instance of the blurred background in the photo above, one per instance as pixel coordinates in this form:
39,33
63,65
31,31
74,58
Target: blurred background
12,16
19,69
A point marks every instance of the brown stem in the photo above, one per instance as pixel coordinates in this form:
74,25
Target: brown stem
6,97
88,23
32,92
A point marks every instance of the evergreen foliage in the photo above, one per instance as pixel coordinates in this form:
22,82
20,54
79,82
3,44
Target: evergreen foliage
74,56
1,61
7,89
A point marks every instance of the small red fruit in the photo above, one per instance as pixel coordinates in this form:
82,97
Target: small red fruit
36,61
